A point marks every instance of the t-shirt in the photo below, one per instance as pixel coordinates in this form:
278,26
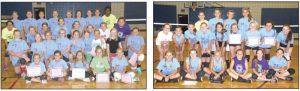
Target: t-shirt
8,35
261,65
58,64
113,44
162,37
168,67
100,64
119,64
109,20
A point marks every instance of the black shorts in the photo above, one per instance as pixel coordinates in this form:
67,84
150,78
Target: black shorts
220,43
234,45
252,48
205,55
283,45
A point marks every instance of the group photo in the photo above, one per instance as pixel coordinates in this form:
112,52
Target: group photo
225,44
71,45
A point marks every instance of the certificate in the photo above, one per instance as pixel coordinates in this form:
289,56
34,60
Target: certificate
235,38
33,71
56,72
78,73
269,41
189,83
253,41
126,78
102,78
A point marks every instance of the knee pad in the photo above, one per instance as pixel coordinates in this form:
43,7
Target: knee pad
291,71
22,61
201,73
269,76
28,78
272,72
254,76
206,64
173,80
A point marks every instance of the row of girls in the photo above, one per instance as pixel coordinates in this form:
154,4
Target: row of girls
103,49
211,38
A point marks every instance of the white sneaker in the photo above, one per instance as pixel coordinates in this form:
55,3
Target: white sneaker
27,81
93,78
86,79
44,81
70,78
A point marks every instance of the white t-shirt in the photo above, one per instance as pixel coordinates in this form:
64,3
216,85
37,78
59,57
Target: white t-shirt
163,37
95,43
104,34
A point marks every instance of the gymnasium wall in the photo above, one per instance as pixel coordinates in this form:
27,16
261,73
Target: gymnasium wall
118,9
256,7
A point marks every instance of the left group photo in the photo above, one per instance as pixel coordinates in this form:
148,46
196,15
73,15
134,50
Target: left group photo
73,45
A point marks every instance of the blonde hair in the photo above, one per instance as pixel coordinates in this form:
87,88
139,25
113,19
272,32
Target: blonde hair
83,60
110,36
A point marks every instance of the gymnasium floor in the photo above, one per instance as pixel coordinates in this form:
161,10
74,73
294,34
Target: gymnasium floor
228,83
10,81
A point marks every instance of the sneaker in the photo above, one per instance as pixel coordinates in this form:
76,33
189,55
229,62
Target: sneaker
23,75
44,81
289,78
86,80
139,70
135,79
93,78
70,78
27,81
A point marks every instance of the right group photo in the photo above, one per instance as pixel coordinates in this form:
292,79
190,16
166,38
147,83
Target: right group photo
226,44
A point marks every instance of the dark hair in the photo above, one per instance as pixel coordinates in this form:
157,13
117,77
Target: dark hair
255,59
289,36
249,15
233,25
107,7
57,51
45,23
9,21
222,31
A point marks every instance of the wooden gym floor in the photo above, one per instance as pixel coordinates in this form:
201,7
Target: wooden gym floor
228,83
10,81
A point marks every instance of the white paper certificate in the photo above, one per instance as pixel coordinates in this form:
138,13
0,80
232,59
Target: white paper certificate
269,40
78,73
126,78
253,41
102,78
57,72
235,38
33,71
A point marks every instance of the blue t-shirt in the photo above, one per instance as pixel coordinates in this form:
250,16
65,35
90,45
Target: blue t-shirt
58,64
41,65
193,63
53,22
213,22
29,22
119,64
189,35
281,37
277,63
249,34
136,42
228,23
50,47
168,67
265,33
63,44
204,37
78,46
39,24
16,46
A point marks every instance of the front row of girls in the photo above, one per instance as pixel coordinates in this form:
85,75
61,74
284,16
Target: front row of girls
21,54
277,68
206,40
